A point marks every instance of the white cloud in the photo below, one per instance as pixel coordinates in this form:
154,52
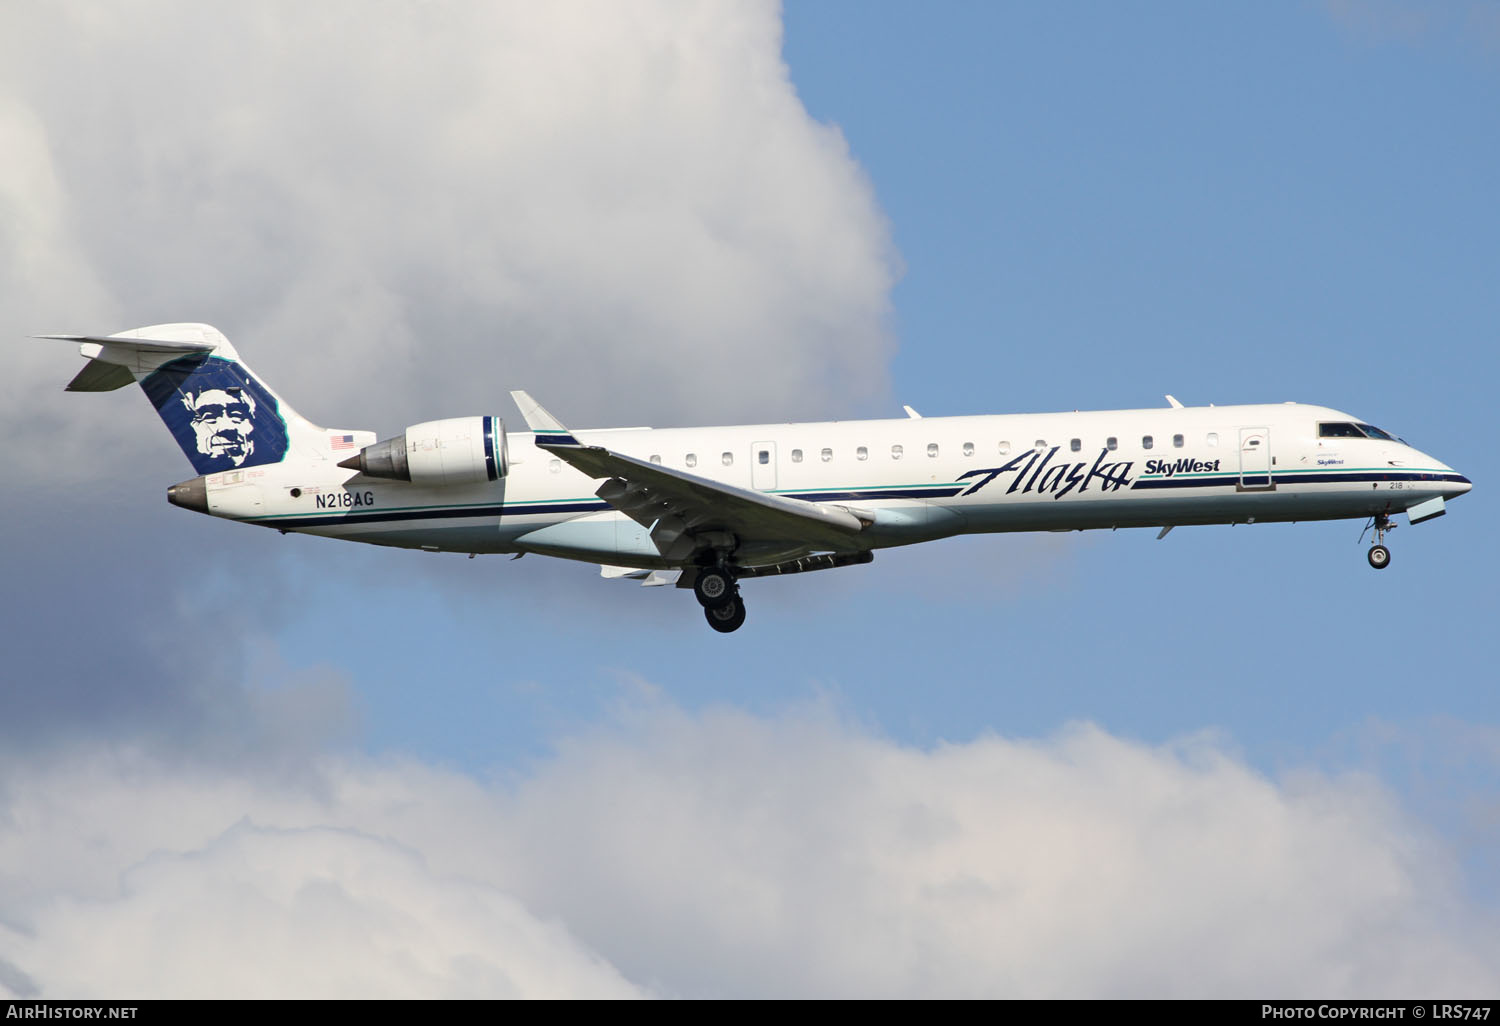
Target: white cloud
400,211
722,854
306,913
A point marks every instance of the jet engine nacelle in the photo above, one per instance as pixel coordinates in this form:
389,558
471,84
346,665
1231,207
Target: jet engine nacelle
456,451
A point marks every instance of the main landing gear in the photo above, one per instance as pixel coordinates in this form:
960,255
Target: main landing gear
720,598
1379,556
726,618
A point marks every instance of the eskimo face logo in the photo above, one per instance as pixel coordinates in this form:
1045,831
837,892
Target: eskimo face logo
224,422
223,417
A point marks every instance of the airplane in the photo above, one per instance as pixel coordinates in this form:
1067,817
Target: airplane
706,508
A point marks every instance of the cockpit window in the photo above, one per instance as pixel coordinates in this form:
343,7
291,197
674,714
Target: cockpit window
1336,429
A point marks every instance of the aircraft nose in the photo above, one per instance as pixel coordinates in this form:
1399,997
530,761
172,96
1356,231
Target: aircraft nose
1450,483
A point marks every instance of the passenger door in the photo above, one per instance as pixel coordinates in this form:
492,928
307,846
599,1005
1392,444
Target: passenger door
763,466
1255,459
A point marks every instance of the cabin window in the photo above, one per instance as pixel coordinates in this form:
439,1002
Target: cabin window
1111,443
861,453
656,458
1339,431
1004,448
1076,445
796,455
968,448
1213,438
691,459
727,459
764,456
555,466
1041,445
827,455
932,450
1177,441
897,452
1146,442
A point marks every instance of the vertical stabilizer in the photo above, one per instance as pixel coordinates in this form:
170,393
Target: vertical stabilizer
222,415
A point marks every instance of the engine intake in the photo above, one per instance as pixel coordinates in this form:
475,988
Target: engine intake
439,453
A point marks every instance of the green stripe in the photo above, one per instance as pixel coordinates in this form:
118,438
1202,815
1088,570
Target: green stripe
867,488
414,509
520,506
1279,471
1363,470
548,502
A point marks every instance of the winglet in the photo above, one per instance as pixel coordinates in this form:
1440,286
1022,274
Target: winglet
1172,399
548,429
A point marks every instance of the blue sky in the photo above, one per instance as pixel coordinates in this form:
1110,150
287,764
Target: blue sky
1041,207
1100,205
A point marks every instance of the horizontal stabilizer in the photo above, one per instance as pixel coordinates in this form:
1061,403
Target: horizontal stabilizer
98,376
148,345
118,360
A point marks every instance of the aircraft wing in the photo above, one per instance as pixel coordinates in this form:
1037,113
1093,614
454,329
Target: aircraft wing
674,504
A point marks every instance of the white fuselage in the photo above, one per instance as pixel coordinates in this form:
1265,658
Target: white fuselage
911,480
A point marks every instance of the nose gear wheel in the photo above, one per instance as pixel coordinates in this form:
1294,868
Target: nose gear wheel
1379,556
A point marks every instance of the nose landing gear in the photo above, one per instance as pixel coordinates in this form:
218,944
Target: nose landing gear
1379,556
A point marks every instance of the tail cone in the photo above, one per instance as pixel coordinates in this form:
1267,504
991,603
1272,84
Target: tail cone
191,495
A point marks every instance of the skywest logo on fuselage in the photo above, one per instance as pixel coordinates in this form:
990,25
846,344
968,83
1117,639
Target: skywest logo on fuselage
1036,472
1168,468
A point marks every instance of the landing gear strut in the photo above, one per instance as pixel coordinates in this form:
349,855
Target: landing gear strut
1380,556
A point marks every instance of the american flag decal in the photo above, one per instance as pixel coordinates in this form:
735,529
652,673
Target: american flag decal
341,441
